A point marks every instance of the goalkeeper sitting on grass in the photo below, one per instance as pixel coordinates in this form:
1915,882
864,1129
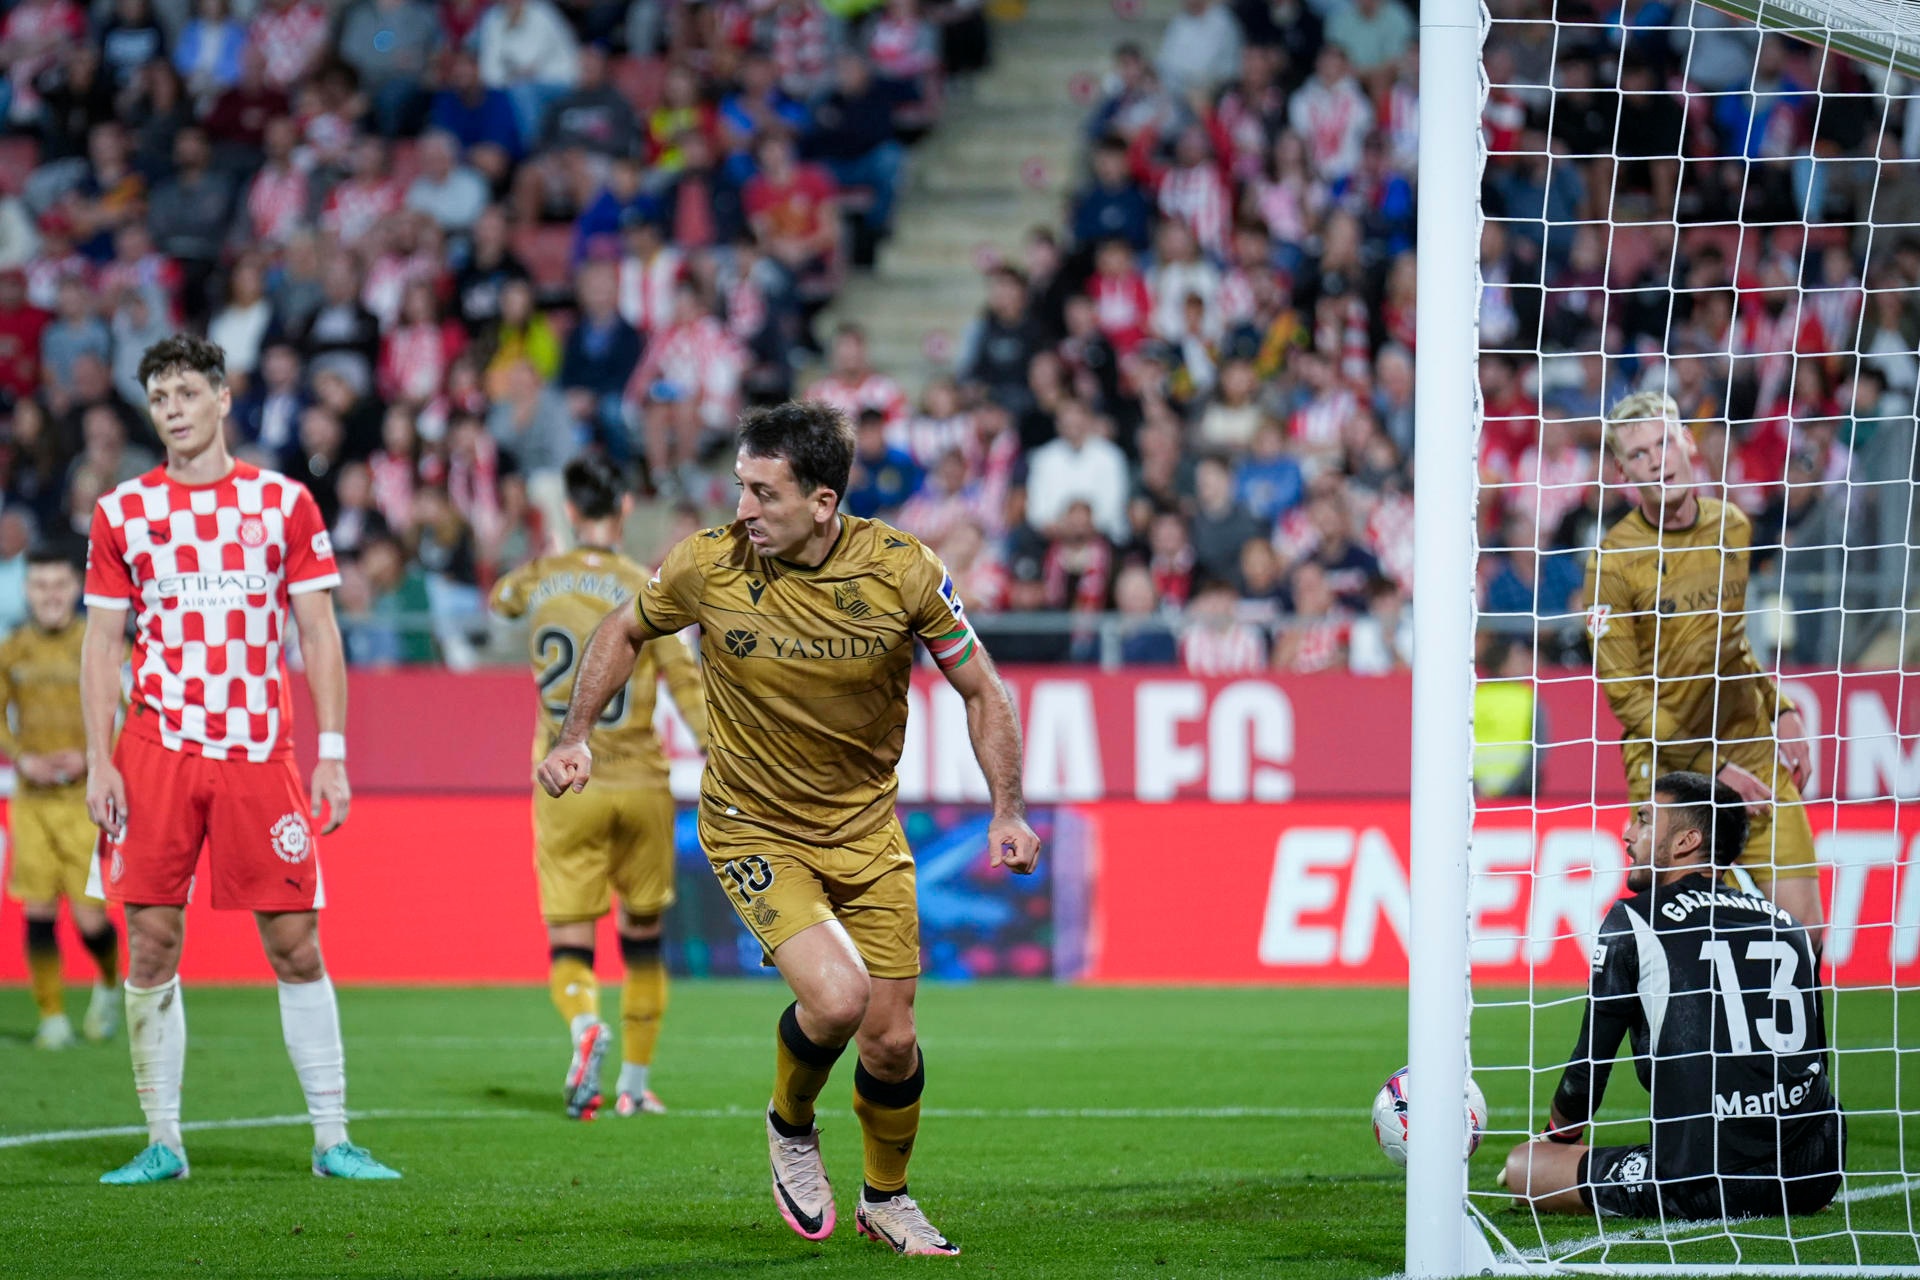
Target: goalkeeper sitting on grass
1719,991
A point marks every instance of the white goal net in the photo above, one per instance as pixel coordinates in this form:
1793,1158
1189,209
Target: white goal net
1720,206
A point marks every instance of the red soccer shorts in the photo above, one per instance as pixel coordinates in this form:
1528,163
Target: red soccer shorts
262,855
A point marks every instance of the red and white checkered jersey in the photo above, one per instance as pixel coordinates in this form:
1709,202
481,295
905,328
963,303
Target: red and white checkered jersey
209,570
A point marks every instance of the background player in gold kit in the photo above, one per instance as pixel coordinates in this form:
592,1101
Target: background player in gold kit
53,838
1666,596
618,843
809,618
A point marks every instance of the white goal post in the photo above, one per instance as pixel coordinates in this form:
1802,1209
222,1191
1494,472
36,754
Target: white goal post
1864,559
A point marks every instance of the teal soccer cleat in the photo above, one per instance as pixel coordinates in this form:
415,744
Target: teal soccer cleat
158,1163
344,1160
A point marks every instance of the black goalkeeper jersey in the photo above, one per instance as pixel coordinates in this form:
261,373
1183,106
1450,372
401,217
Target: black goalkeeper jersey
1720,993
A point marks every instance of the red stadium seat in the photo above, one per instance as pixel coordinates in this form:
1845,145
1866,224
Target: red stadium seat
18,158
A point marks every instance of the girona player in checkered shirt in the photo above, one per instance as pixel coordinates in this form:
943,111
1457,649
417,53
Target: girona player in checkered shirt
210,554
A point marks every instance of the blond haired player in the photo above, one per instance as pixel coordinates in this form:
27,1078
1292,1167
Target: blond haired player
1666,597
214,557
809,619
53,839
618,842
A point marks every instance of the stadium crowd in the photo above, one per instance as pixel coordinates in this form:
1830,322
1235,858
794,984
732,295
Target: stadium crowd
448,246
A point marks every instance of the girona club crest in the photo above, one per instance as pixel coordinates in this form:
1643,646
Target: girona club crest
253,532
291,839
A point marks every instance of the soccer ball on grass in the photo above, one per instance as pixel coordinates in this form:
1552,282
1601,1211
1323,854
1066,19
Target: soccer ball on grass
1390,1117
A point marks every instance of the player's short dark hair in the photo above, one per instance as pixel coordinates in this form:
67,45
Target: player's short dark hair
811,436
184,353
51,553
1708,806
594,487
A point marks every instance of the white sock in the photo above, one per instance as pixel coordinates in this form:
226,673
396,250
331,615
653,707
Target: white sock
633,1079
157,1041
310,1021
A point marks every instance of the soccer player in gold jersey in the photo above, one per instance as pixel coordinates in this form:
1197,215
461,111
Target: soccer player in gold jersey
53,838
1666,596
809,619
618,842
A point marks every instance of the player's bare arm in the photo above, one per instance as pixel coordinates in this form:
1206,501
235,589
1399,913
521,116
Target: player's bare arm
605,669
994,726
327,683
1795,750
101,654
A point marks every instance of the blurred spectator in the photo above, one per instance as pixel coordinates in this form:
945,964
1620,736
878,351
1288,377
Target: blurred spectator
104,451
357,521
852,135
16,539
1381,639
601,354
1267,482
316,455
268,415
209,51
794,209
389,44
1001,342
1079,465
522,334
384,602
1170,558
136,327
1315,637
417,354
884,476
687,385
22,326
75,331
341,330
1112,205
1372,33
291,35
1215,642
1145,638
853,386
1331,113
530,421
1220,523
491,264
1346,567
1200,49
450,193
481,116
36,465
527,49
240,325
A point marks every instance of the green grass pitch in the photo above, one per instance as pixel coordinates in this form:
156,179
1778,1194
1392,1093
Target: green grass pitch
1070,1132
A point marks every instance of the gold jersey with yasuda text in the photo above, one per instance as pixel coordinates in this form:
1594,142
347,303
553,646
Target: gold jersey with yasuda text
1666,609
564,597
40,693
807,669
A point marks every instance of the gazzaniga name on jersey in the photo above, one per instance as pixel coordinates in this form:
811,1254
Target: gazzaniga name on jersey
1687,901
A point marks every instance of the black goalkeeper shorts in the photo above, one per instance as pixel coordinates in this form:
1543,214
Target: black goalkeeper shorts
1618,1182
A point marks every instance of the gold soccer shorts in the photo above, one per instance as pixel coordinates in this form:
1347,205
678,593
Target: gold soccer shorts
1779,839
53,843
605,842
781,886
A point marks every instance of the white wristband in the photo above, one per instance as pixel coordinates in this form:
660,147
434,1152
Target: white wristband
333,746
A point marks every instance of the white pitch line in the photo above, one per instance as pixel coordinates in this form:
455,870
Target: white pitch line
8,1141
1659,1233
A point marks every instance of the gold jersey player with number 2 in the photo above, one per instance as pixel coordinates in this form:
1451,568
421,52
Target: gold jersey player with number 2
617,842
810,619
1666,597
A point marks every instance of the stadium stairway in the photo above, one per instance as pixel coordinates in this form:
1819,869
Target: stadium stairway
1002,160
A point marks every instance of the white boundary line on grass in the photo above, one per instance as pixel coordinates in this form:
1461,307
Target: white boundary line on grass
1568,1252
8,1141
